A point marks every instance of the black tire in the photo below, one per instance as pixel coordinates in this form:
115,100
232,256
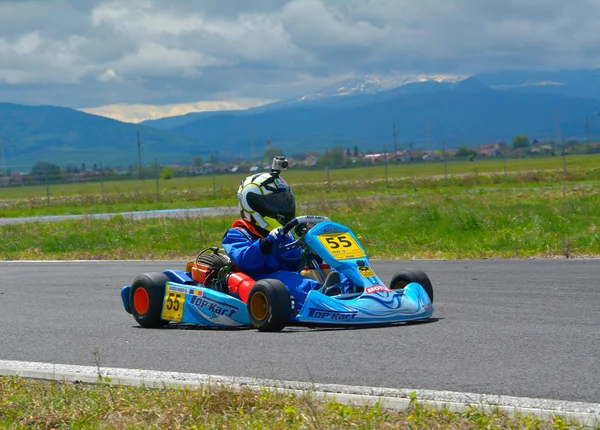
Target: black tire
269,305
404,277
146,307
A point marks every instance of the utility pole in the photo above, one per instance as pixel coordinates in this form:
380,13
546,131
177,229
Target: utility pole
252,155
587,130
558,133
444,156
428,125
395,147
2,155
564,154
386,169
139,145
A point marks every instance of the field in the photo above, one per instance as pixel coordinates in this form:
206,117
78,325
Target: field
525,213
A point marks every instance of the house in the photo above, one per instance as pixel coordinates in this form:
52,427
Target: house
490,149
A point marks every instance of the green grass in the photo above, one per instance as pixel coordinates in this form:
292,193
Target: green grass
35,404
455,222
126,196
532,213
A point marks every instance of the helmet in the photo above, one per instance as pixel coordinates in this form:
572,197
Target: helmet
266,200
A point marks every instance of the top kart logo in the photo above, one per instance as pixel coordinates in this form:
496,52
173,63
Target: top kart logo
330,314
378,289
214,306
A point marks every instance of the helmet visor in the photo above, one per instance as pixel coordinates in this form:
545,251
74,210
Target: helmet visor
280,206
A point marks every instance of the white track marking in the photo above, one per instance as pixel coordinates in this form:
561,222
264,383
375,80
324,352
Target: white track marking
587,414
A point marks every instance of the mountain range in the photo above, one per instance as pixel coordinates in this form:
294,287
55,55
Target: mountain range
487,107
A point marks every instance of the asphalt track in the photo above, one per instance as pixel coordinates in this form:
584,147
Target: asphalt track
526,328
136,215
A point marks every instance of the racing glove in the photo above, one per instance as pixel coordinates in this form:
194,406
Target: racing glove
275,237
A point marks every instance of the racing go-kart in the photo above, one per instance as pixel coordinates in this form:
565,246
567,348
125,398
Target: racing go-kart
212,292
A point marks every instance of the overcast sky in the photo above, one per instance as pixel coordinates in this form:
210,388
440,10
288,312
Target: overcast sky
198,54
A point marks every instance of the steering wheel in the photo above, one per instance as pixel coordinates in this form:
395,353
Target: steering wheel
304,219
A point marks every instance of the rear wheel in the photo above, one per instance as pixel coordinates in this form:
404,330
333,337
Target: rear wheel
146,299
269,305
404,277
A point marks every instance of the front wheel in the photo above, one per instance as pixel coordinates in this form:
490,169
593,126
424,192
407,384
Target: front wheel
404,277
146,299
269,305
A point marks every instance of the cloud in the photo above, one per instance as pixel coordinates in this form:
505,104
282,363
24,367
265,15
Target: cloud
90,53
137,112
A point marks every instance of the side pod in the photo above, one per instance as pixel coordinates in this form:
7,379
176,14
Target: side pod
125,293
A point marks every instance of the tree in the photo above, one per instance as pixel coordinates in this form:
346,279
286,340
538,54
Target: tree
44,169
166,173
465,151
355,151
197,161
271,153
337,156
521,141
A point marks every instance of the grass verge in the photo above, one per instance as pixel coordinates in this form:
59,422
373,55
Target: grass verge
48,404
475,222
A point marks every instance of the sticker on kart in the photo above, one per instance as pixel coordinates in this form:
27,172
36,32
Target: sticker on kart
341,245
173,304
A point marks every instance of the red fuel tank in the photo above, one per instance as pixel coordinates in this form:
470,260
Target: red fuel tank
240,284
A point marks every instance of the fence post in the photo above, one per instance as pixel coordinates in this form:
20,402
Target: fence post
47,191
327,168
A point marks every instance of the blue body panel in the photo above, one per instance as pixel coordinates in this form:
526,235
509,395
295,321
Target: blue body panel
202,306
205,306
347,266
373,306
125,292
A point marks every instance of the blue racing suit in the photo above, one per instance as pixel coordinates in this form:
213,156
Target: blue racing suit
258,261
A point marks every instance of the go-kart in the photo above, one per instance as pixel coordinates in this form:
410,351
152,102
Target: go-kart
212,292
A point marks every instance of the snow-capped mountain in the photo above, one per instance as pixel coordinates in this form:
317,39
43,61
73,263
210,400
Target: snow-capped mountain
372,84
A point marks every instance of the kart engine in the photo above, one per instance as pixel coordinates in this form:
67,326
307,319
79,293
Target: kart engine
210,269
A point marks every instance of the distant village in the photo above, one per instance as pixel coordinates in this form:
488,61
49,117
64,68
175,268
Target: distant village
337,157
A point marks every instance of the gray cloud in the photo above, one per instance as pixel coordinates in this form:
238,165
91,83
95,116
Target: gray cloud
84,53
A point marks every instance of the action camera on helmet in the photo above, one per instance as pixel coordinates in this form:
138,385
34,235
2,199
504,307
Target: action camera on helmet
279,164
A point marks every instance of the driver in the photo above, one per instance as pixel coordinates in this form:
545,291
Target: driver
254,242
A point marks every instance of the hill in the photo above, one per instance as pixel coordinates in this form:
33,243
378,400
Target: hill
469,113
575,83
60,135
425,114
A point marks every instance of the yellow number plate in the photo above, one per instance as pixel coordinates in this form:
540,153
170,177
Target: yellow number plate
341,245
366,271
173,305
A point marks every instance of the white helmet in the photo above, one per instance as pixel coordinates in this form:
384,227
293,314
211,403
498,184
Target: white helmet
266,200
